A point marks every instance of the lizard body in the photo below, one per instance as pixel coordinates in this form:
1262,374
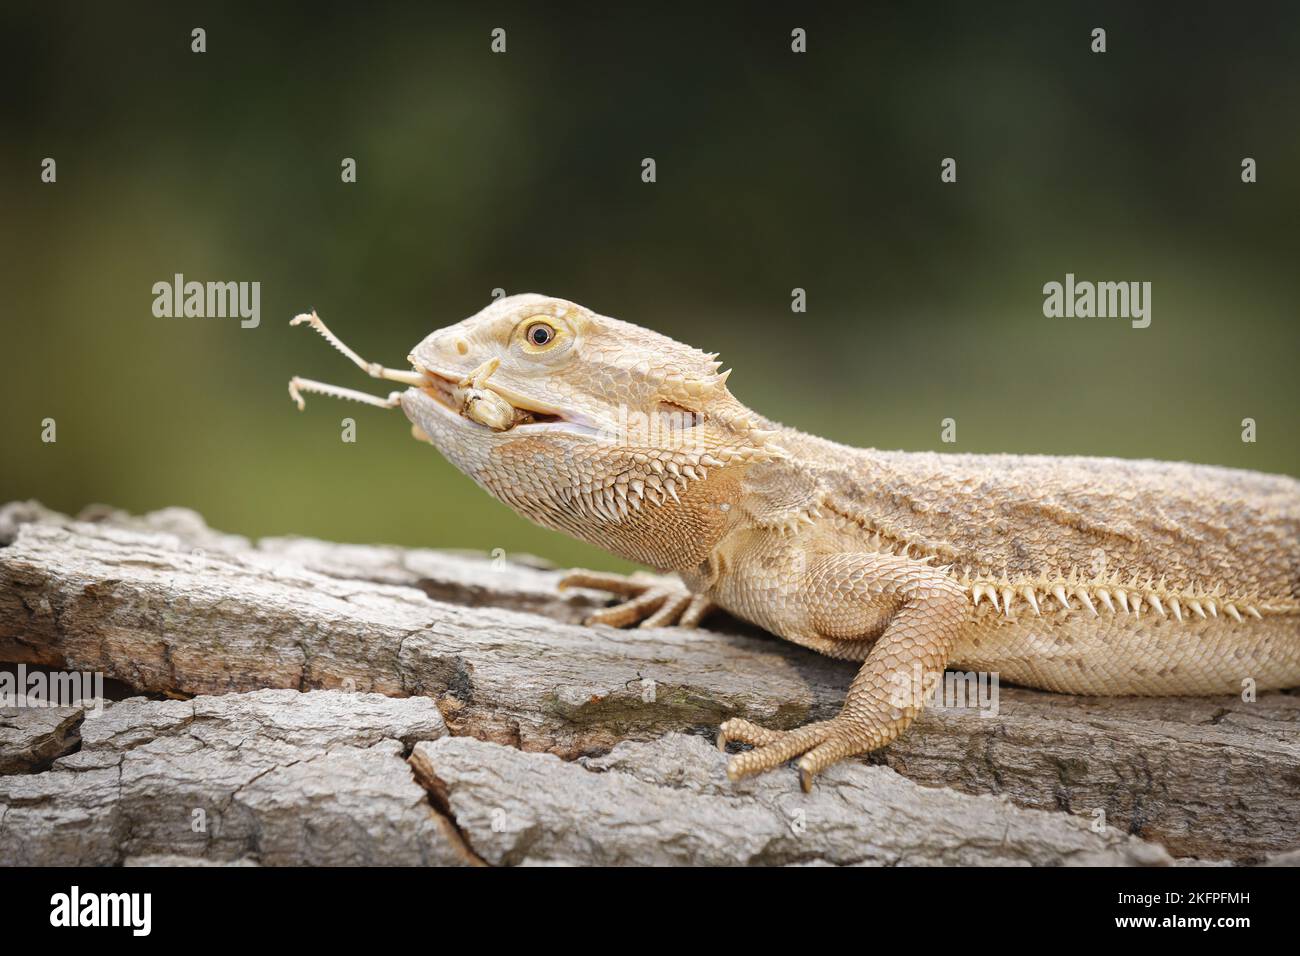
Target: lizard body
1078,575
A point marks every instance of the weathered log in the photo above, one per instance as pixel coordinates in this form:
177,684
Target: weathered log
276,777
287,778
169,607
663,802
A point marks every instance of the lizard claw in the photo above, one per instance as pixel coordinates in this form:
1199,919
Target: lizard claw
651,601
746,732
818,745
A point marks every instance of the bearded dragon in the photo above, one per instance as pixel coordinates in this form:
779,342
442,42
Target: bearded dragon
1076,575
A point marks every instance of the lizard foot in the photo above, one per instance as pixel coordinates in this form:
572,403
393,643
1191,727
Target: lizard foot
652,601
821,744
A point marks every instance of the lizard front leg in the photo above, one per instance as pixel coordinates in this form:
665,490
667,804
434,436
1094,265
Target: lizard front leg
652,601
912,610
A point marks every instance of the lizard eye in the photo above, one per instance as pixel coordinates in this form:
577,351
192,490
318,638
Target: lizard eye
540,334
543,337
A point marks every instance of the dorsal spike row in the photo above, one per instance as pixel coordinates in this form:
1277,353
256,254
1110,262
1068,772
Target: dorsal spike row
1002,596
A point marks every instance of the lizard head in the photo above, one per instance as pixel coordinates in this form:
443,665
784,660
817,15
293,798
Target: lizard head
582,422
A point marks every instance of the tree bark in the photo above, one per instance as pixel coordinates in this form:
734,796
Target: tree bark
471,718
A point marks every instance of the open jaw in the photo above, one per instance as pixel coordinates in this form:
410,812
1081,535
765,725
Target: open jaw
496,408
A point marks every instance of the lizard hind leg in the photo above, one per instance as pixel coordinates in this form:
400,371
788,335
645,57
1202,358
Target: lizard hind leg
651,600
924,610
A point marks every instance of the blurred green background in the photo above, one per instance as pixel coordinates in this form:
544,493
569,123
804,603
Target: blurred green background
522,171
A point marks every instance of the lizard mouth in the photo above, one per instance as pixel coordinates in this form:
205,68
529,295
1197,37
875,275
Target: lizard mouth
494,407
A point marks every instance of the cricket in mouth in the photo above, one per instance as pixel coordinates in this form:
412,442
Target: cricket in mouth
471,397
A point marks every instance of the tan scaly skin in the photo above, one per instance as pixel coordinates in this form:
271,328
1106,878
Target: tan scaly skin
1077,575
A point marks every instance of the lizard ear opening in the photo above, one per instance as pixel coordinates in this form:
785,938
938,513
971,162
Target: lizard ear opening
689,418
